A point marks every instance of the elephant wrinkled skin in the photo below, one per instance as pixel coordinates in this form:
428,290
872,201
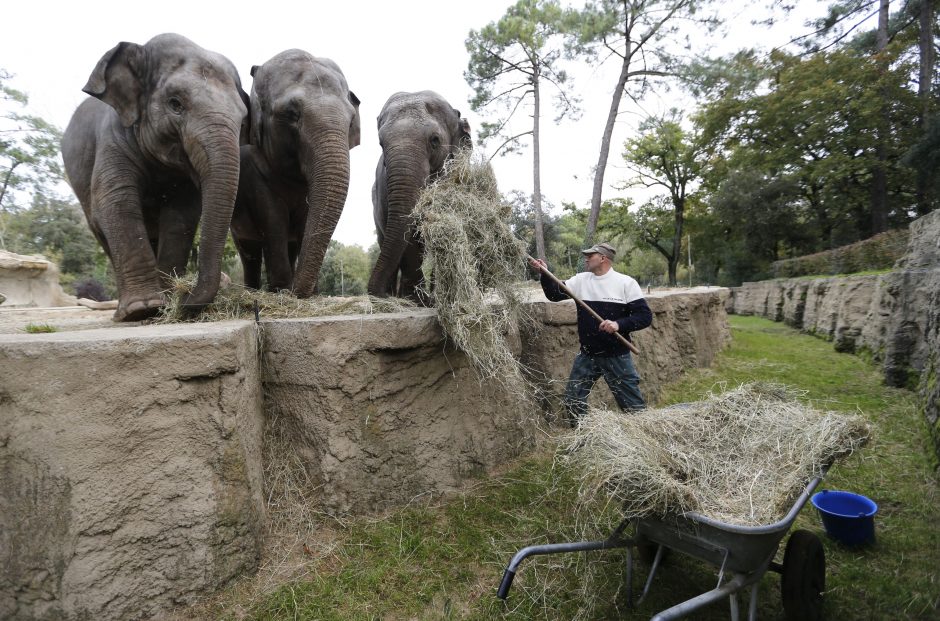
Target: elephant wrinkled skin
295,171
418,133
151,155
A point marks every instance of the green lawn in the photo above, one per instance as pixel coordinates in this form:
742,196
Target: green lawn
444,560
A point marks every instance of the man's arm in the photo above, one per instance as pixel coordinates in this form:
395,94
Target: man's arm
638,316
551,289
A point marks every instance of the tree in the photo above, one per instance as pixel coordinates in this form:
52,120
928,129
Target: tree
665,156
345,270
29,151
509,60
810,119
642,35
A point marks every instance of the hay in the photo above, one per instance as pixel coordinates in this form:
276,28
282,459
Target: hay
742,457
237,302
476,263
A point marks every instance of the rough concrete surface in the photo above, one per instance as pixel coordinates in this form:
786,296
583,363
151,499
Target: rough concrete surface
131,456
130,475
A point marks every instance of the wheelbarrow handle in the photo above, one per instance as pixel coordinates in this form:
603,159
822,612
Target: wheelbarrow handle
503,591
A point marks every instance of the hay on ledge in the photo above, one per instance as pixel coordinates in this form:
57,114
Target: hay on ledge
238,302
476,264
741,457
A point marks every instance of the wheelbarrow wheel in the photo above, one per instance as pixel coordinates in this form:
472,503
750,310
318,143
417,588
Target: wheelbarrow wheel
803,579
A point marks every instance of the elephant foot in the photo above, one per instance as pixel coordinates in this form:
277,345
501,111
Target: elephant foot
137,309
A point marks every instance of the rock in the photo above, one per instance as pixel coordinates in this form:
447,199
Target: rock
30,281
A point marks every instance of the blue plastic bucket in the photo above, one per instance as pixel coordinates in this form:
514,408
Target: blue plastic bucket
848,518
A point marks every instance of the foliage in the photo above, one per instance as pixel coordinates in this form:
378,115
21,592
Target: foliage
809,121
345,270
509,60
666,156
443,558
875,253
29,152
40,328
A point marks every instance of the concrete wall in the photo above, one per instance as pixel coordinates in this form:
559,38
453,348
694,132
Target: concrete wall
131,458
895,316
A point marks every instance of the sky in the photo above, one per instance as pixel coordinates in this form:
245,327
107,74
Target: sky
382,47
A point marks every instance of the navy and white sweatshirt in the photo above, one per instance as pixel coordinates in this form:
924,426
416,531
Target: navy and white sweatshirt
613,296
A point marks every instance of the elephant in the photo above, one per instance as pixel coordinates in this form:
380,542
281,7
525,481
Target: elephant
295,171
418,133
151,155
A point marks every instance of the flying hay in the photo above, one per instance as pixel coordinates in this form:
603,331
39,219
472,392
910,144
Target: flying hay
476,264
741,457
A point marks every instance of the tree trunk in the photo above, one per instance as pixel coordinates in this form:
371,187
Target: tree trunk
536,171
597,194
879,186
679,207
925,82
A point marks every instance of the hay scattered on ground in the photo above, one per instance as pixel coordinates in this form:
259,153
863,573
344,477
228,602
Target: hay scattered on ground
476,264
742,457
237,302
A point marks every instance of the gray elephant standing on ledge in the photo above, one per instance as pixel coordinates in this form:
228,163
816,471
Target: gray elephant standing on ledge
153,154
295,172
418,132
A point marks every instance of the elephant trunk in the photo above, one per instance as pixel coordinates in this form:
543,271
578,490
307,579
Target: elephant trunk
324,156
214,156
406,176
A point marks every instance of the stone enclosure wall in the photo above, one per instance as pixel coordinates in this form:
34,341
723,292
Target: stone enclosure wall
895,316
131,457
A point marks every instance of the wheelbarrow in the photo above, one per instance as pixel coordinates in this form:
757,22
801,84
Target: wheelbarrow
743,554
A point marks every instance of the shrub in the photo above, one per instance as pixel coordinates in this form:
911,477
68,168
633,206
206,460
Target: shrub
875,253
91,289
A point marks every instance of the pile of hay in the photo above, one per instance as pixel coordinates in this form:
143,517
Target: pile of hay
476,264
237,302
742,457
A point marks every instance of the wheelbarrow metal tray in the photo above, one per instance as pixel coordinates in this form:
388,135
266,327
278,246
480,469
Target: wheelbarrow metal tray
746,547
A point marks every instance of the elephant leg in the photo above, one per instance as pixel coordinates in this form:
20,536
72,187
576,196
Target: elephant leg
179,217
412,278
250,253
277,263
118,215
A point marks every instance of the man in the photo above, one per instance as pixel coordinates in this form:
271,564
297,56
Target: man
618,299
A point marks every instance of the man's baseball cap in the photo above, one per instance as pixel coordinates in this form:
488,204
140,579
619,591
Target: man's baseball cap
603,248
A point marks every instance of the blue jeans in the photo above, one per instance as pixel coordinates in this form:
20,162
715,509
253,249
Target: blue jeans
618,372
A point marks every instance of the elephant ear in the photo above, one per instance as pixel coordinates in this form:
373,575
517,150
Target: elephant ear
462,139
354,130
466,140
244,136
255,108
118,81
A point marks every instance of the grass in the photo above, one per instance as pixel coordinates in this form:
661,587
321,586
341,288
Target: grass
39,328
444,559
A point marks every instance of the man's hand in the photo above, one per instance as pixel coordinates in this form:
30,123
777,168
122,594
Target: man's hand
538,265
610,327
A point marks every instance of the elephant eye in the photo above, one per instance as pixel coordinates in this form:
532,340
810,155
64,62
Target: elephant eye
435,142
175,105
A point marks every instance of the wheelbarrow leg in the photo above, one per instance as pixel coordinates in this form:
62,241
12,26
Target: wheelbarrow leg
689,606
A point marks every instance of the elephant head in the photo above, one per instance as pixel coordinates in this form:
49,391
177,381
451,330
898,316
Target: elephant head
304,121
418,133
181,113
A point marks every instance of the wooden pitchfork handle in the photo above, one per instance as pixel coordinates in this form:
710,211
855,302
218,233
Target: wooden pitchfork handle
581,303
